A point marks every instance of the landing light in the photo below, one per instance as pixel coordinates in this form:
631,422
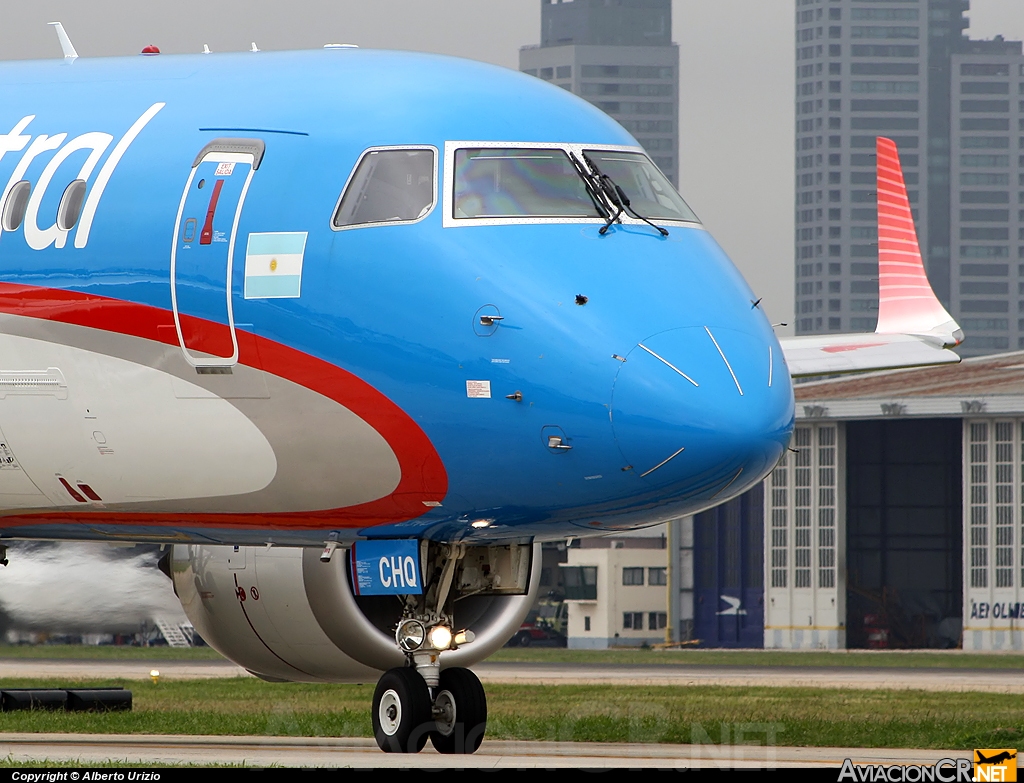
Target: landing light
410,635
479,524
440,637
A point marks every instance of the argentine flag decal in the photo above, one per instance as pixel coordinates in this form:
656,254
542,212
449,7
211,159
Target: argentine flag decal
273,265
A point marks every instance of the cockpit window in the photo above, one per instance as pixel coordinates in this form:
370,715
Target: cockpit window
388,186
498,182
649,192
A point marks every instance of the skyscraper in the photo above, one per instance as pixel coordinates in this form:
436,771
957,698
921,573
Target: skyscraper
619,55
987,218
867,68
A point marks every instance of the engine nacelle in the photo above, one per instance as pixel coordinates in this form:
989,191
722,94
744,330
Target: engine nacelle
284,614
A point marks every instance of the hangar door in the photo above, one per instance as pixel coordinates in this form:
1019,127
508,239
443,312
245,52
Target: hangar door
728,575
904,533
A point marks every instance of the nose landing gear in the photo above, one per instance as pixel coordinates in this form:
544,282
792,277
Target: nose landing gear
419,701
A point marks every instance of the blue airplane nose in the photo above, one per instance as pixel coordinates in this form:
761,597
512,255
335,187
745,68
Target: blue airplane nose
702,411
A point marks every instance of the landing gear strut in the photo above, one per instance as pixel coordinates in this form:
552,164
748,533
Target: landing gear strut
419,701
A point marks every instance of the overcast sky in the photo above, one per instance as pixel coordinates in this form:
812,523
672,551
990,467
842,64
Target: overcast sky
737,60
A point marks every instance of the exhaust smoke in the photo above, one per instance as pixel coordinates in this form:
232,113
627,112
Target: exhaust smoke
83,588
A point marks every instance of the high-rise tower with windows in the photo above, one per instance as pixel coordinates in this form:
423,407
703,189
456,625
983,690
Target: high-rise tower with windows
868,68
620,57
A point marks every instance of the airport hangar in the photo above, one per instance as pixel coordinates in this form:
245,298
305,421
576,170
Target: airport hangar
894,521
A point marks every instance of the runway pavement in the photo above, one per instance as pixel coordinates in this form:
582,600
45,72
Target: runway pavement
330,752
985,680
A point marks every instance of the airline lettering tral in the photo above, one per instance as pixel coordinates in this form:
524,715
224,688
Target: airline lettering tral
345,325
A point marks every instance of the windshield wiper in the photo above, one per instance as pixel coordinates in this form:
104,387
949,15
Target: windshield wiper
593,190
618,198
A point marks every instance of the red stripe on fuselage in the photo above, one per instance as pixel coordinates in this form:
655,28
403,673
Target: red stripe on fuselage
423,477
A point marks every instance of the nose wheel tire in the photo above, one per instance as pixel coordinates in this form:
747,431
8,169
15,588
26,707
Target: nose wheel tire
401,714
460,712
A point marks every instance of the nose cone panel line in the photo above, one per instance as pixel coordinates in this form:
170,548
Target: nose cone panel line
728,366
668,363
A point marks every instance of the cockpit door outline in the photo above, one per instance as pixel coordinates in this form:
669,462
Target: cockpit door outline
228,155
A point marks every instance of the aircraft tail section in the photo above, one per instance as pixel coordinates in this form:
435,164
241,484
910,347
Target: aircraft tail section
913,329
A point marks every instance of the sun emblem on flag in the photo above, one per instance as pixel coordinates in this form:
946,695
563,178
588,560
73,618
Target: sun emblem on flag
273,265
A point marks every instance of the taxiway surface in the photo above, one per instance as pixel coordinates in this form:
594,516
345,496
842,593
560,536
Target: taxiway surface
871,678
496,754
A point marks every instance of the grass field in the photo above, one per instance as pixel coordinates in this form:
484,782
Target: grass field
952,659
705,715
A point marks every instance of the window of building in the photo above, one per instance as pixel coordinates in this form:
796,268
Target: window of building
986,324
971,178
985,88
986,270
885,14
984,197
580,582
563,72
885,69
835,50
547,73
911,88
657,621
984,124
975,287
864,50
984,107
632,576
835,323
633,621
657,576
984,69
586,622
389,186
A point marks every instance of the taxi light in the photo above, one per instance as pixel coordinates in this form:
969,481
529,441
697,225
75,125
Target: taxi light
464,637
440,637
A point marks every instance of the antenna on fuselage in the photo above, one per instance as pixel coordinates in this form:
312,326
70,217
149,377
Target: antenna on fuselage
255,48
70,55
206,49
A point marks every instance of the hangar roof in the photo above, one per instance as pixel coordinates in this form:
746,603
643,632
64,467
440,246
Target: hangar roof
977,386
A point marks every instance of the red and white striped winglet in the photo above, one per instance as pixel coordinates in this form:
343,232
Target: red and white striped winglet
906,302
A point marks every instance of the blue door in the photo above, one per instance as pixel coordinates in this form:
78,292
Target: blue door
728,549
